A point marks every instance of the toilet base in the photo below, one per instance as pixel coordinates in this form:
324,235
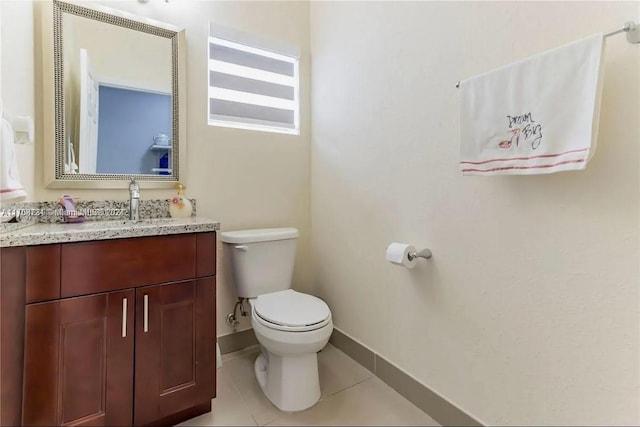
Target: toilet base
291,383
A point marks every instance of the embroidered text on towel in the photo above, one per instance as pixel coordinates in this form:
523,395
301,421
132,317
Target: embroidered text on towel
524,128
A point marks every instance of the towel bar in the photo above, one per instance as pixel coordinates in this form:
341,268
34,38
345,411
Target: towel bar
633,33
630,27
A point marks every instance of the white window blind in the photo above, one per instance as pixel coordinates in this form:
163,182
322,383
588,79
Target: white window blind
252,86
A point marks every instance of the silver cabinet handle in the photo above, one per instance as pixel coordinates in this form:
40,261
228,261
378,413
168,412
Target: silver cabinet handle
124,317
146,313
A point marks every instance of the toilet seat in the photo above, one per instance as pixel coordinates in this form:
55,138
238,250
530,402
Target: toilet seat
292,311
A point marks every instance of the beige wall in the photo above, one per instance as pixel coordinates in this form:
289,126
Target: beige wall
16,77
241,178
528,312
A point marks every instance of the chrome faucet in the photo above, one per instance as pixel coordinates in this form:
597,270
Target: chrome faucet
134,200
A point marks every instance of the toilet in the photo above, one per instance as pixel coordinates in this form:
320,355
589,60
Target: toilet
290,326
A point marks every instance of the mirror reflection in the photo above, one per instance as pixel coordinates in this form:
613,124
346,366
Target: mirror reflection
115,82
117,99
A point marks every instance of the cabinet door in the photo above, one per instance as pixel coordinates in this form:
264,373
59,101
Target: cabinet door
12,300
79,361
175,348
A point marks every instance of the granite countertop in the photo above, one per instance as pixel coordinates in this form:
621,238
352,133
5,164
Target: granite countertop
49,233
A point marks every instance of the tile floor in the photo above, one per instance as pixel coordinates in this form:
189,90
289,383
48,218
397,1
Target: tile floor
351,395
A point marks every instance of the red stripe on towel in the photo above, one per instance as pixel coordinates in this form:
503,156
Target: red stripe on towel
525,158
523,167
8,190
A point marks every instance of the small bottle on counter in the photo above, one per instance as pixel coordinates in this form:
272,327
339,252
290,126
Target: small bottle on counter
180,206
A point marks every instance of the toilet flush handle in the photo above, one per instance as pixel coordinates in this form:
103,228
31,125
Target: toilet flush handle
242,248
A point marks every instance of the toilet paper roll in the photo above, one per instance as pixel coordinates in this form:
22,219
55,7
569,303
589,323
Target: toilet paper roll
398,253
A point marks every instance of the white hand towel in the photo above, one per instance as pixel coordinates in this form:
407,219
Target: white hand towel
536,116
10,186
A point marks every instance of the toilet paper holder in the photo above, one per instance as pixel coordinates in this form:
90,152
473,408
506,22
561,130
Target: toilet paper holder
425,253
405,255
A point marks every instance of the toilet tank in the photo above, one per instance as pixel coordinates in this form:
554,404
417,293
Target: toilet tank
261,261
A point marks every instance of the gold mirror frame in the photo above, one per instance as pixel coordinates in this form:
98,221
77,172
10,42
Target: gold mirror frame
53,96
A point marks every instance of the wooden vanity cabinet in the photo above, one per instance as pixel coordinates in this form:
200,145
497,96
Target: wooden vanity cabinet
129,338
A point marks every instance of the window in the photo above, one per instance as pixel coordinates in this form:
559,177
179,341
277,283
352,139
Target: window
252,85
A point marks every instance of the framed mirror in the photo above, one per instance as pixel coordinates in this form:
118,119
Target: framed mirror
114,83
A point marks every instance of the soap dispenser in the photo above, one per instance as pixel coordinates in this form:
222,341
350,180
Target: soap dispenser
180,206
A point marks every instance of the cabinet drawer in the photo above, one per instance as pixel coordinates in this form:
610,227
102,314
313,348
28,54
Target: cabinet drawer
101,266
206,254
43,273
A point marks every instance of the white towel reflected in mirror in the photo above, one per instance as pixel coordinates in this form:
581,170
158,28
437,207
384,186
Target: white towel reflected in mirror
11,187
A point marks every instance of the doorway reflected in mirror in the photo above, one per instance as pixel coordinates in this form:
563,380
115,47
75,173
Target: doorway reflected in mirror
118,84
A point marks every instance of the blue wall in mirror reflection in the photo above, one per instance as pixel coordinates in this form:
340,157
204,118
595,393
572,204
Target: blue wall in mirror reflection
128,119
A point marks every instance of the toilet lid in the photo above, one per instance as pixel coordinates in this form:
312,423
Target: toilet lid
291,308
